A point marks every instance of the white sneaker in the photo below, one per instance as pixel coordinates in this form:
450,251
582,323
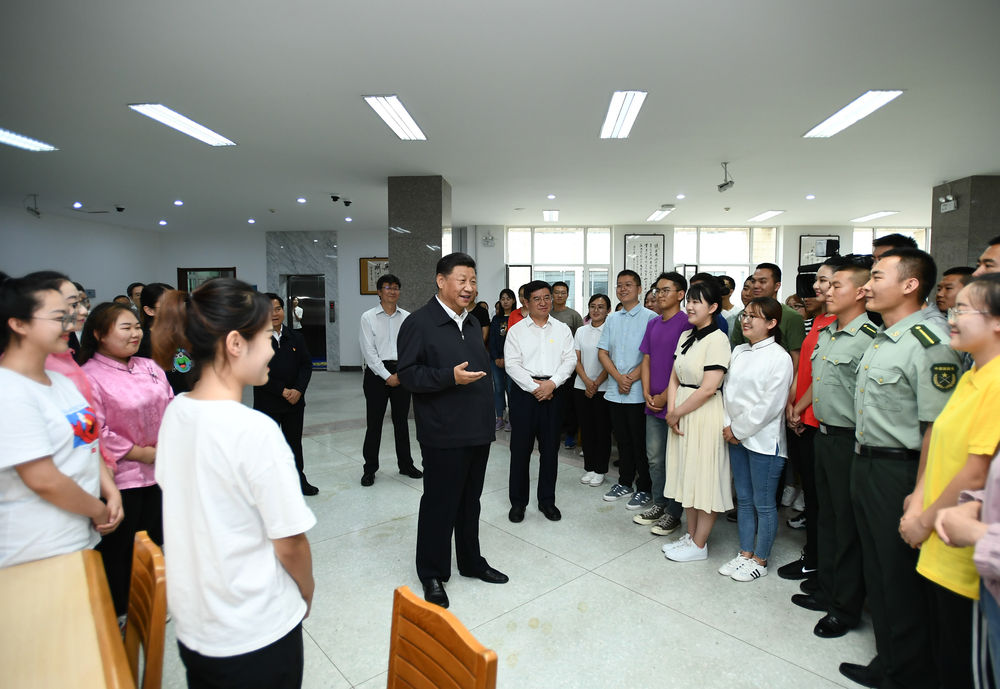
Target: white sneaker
587,478
727,569
689,552
683,540
749,570
799,504
788,495
597,480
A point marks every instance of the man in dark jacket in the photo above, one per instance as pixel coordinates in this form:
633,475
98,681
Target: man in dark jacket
442,361
282,397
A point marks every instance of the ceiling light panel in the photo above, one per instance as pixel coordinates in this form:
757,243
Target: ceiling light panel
21,141
874,216
859,108
766,215
550,216
622,111
392,112
660,213
184,125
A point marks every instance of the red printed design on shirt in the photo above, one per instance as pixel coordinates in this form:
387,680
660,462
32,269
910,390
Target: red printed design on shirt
84,423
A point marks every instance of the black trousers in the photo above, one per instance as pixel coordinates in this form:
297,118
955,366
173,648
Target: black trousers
802,452
453,484
950,627
143,509
564,394
290,421
276,666
377,396
629,424
531,420
595,430
838,546
896,593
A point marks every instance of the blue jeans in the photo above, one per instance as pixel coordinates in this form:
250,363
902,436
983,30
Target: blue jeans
991,611
501,385
756,479
656,455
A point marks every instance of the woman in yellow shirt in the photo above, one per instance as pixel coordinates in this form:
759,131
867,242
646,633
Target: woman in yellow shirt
962,443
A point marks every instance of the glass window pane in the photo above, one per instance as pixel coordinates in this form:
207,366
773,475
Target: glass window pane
598,283
562,244
519,245
517,276
599,245
724,245
446,241
862,241
764,242
685,245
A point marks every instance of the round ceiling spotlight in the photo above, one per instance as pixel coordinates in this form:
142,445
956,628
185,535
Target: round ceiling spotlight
681,197
301,199
162,223
178,202
251,221
810,197
77,205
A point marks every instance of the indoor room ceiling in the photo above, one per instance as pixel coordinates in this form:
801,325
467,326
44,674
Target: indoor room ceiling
511,97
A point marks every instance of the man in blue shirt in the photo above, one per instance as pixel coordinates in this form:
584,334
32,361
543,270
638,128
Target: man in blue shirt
618,351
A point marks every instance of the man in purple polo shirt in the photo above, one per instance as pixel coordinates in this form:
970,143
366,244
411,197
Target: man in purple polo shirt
658,347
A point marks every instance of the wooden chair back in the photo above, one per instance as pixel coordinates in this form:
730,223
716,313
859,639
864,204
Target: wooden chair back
430,649
147,612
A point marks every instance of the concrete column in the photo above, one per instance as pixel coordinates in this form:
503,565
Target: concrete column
958,237
419,210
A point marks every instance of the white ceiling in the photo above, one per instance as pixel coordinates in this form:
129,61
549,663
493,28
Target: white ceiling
511,96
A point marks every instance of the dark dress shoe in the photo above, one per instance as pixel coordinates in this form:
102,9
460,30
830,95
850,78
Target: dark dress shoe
809,602
412,472
434,592
516,513
551,512
308,488
809,585
831,627
367,479
862,674
489,575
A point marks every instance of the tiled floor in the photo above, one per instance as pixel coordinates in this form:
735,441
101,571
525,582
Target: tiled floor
591,601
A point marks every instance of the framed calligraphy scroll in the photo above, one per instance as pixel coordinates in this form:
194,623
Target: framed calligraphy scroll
371,269
644,255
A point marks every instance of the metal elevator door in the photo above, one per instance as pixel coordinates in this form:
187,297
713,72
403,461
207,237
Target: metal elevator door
310,290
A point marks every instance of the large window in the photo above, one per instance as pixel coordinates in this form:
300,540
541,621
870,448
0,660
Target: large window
732,251
864,236
578,256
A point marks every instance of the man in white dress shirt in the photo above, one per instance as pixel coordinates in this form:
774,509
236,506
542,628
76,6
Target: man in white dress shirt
379,328
539,357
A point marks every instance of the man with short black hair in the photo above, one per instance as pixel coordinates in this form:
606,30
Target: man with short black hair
134,292
445,371
539,357
729,309
888,242
989,260
379,330
766,283
952,282
282,397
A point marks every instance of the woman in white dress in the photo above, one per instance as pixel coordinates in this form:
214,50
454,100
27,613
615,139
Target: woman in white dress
698,468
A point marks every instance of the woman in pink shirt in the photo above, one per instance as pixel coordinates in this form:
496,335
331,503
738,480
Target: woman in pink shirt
130,396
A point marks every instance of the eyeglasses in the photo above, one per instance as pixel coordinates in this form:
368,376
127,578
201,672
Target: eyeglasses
390,288
954,313
663,290
542,300
67,320
747,317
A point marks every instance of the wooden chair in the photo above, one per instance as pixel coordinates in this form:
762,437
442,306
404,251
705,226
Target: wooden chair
430,649
147,612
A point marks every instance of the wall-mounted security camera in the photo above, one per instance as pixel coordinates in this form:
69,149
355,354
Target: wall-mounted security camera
120,209
347,202
335,197
727,182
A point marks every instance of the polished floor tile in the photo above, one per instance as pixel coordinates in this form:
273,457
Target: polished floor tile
591,602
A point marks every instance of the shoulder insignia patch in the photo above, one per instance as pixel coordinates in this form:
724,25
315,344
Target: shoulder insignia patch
869,329
924,335
944,376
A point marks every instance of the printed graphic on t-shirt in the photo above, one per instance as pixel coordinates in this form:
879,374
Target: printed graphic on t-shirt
84,423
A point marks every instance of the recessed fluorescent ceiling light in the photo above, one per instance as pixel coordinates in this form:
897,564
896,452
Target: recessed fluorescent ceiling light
392,112
622,111
659,215
20,141
859,108
764,216
550,216
873,216
171,118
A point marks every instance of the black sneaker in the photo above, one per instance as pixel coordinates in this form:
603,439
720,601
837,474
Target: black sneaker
796,570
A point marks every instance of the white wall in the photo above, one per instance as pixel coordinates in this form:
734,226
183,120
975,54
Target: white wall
244,249
352,245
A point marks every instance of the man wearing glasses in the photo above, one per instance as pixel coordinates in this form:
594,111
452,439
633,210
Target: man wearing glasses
379,330
539,357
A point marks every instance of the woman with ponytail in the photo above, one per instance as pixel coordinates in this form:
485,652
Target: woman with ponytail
239,564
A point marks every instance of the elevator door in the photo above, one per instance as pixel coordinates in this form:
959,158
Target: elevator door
310,290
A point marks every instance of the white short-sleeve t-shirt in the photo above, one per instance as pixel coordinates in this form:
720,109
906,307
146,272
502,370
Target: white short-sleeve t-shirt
585,342
44,421
229,487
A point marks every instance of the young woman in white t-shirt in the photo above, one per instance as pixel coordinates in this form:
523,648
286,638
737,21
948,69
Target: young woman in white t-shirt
234,520
588,393
51,472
